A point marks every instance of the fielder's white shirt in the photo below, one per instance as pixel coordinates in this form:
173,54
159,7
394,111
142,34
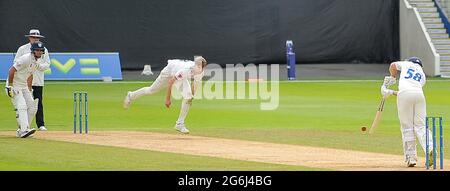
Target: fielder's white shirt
25,66
412,76
44,64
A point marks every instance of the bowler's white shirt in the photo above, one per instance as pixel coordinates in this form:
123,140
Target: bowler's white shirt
183,69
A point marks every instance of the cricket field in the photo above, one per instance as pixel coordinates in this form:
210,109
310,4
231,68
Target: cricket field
225,134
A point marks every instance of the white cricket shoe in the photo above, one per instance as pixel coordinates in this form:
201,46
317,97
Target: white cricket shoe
42,128
411,161
18,132
127,101
181,128
26,133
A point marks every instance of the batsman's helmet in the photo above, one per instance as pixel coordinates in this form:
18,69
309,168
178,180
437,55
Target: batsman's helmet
37,46
415,60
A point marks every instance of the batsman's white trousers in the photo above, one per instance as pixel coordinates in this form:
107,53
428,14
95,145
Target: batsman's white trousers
412,113
25,107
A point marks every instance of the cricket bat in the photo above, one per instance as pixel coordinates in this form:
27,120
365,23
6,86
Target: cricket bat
377,119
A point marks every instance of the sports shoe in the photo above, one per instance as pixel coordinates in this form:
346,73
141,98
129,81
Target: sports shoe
42,128
127,101
18,132
26,133
181,128
411,161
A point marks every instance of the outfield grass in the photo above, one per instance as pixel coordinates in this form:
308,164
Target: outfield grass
315,113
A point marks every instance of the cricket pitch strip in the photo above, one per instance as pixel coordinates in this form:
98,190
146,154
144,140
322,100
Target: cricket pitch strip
315,157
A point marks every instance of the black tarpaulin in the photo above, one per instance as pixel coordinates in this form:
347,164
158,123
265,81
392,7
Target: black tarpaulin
225,32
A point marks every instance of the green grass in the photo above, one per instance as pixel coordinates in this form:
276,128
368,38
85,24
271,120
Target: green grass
325,114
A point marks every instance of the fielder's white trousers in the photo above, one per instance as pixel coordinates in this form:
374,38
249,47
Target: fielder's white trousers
412,113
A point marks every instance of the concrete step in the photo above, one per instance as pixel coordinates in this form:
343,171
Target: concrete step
434,25
442,46
445,63
422,4
415,1
427,9
436,31
445,57
445,74
432,20
441,41
427,15
420,0
443,51
439,35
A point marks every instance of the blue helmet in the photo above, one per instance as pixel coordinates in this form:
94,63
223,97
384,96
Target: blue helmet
37,46
415,60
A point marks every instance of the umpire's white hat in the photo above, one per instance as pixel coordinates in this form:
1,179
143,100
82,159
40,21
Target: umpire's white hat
35,33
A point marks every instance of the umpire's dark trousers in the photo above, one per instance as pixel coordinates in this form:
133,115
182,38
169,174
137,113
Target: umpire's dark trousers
37,93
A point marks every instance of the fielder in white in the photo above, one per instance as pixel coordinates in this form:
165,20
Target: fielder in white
411,105
18,87
186,75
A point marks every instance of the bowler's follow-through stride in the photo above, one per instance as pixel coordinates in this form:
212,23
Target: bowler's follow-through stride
185,75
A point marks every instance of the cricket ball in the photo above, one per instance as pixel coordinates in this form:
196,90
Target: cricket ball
363,128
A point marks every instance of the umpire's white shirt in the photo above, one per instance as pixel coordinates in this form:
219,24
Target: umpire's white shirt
25,66
44,64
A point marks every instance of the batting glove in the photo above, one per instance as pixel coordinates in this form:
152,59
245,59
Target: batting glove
389,81
386,92
9,91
